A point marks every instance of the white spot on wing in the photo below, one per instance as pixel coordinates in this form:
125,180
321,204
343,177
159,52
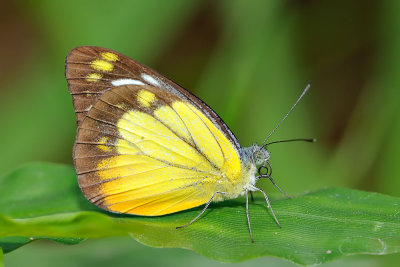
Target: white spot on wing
150,79
120,82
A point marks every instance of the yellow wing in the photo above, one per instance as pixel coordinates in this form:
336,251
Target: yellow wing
145,145
144,151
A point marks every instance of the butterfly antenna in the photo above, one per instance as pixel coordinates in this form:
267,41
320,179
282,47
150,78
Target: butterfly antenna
287,114
310,140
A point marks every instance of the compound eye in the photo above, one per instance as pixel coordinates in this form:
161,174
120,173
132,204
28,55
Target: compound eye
263,171
258,157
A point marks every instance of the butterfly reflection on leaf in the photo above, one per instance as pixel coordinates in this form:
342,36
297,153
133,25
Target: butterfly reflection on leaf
146,146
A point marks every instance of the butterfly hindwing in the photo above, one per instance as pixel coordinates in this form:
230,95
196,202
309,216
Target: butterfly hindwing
144,145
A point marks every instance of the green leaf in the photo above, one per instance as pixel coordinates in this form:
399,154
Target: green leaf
11,243
42,200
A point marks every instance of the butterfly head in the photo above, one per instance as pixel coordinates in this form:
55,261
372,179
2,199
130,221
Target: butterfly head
260,158
257,158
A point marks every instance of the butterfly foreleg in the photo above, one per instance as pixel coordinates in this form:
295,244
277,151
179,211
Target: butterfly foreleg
204,209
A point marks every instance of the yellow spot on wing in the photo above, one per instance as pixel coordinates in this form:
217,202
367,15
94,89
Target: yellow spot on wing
103,141
102,65
145,98
121,106
93,77
109,56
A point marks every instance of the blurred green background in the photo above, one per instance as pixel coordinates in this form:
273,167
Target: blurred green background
249,60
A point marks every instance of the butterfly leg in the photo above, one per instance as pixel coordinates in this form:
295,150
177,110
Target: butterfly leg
247,214
204,209
273,182
269,204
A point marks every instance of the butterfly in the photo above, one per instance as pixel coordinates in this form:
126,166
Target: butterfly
146,146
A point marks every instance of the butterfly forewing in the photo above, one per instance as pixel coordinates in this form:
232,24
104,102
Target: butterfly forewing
144,145
90,72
